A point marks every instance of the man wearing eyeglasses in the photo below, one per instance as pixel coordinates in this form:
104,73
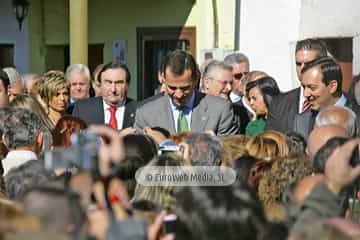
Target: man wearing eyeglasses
183,108
240,67
218,81
286,106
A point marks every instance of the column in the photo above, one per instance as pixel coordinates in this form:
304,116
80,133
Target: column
78,31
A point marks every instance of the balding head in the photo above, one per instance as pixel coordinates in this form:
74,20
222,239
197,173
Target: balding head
342,116
304,187
320,135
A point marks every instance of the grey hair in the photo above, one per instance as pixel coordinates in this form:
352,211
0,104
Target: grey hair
322,119
21,127
19,179
205,149
13,75
236,58
77,68
26,78
213,66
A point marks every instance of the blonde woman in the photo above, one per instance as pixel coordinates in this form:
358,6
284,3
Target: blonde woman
54,91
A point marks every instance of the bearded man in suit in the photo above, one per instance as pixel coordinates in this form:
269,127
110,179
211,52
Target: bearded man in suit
183,108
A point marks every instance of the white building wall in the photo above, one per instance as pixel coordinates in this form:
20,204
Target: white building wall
268,31
332,18
10,34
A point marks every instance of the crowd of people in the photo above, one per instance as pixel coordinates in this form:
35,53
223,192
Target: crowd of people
73,145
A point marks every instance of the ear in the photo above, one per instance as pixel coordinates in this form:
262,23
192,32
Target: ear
333,85
4,142
39,141
206,83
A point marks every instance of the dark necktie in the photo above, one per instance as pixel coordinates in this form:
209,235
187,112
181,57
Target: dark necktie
113,121
182,124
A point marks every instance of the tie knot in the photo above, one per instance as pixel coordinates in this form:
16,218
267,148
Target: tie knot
112,109
182,109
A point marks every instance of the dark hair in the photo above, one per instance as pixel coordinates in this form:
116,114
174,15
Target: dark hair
140,145
226,212
163,131
145,205
324,153
178,61
242,166
267,87
115,65
313,44
330,71
5,79
297,143
351,92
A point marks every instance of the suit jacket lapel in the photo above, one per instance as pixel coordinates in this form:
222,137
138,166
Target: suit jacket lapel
129,114
199,115
166,115
99,111
304,123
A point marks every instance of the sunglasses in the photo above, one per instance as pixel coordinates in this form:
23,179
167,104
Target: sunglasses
301,63
240,75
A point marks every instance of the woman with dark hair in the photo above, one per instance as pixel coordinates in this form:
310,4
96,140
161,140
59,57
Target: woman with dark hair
260,94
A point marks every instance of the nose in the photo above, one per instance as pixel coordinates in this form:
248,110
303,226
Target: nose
62,97
113,87
228,86
178,93
307,93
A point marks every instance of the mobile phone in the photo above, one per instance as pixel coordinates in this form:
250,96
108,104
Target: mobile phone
169,223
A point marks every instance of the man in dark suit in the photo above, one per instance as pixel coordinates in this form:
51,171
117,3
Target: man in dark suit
113,107
322,81
183,108
285,106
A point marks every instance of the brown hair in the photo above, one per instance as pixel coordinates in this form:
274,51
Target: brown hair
234,147
66,126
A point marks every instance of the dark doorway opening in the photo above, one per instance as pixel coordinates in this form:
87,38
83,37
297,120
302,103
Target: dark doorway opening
341,50
6,55
152,45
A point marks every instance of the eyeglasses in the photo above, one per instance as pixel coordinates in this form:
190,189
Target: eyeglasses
240,75
301,63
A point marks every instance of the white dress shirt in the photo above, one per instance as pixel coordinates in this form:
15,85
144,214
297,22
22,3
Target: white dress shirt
119,114
188,111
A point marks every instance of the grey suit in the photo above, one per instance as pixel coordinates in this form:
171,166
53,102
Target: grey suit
209,113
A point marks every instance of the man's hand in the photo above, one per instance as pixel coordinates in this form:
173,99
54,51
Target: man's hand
155,229
156,135
338,171
127,131
111,149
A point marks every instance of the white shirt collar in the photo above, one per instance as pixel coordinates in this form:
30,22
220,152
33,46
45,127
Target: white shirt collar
16,158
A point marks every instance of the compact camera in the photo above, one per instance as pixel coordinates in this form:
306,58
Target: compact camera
81,155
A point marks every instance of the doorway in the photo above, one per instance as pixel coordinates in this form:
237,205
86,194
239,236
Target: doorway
153,44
